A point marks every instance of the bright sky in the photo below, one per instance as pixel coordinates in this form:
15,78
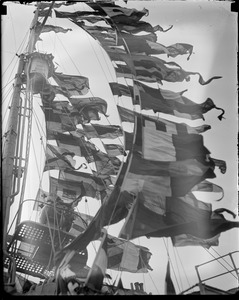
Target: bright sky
211,28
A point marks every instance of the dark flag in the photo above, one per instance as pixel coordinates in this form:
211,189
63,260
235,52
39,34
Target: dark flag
95,103
173,103
98,30
114,150
89,180
139,44
120,284
139,27
76,144
43,5
58,158
43,13
47,28
169,287
154,69
106,165
128,140
221,164
72,85
100,131
76,14
119,14
126,115
195,218
180,49
56,121
119,89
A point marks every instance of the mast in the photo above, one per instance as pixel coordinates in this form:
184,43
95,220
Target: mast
9,150
28,105
11,162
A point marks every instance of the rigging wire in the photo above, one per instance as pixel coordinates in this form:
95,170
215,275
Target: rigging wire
36,157
13,29
222,263
8,91
178,271
96,54
20,49
182,266
6,113
213,248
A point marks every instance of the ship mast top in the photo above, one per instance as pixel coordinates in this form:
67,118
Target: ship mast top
11,136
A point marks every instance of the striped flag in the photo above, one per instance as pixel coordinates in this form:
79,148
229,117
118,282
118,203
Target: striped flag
106,165
56,121
91,183
100,131
72,85
96,103
114,149
154,69
124,255
58,158
126,115
43,5
76,144
69,191
137,44
119,89
165,101
113,10
140,26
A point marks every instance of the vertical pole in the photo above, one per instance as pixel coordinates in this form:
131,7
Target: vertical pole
234,265
9,150
201,287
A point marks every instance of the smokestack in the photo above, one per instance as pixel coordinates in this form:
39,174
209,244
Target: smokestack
141,287
136,286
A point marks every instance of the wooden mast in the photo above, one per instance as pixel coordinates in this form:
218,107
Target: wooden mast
11,137
9,150
28,97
